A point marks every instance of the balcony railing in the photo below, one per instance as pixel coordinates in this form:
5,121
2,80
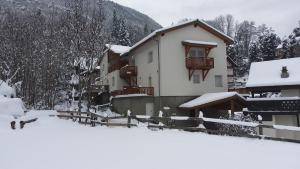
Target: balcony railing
99,88
200,63
128,71
274,105
117,66
134,90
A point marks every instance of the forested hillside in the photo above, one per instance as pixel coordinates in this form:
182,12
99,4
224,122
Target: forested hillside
42,42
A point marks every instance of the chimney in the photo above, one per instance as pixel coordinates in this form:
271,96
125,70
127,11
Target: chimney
284,72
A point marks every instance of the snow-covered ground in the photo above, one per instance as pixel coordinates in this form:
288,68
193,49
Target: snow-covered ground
52,143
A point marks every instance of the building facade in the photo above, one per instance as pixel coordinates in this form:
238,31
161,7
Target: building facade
278,84
167,68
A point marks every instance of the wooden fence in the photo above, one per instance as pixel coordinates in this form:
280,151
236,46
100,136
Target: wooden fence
160,122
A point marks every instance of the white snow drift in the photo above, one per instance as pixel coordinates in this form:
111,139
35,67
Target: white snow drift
53,143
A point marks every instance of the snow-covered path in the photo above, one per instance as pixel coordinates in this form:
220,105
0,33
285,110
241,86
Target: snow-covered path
52,143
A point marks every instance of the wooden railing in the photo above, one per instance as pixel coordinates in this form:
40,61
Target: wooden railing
134,90
202,63
128,71
156,122
117,66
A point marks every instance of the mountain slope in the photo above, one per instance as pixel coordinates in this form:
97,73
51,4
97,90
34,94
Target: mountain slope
134,19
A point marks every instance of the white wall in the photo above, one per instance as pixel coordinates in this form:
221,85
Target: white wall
291,93
119,82
146,69
104,71
229,71
287,120
174,74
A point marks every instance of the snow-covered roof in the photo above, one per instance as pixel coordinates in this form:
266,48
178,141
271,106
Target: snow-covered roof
268,73
279,46
200,42
118,49
201,22
209,98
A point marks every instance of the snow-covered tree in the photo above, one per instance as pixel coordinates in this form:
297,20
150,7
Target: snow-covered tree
124,37
254,55
120,32
268,43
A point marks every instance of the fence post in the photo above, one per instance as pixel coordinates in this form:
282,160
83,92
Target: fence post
128,118
201,120
106,119
79,116
160,115
13,125
260,128
92,120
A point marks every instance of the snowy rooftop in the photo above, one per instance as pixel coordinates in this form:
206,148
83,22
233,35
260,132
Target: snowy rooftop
209,98
200,42
119,49
279,46
268,73
151,35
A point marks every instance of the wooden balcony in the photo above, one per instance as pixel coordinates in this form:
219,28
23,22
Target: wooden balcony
117,66
134,90
199,63
128,72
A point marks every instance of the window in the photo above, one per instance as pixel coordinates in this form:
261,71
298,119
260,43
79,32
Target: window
218,80
150,81
113,81
150,57
197,52
196,78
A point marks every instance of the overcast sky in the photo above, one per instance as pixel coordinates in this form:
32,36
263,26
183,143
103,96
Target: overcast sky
281,15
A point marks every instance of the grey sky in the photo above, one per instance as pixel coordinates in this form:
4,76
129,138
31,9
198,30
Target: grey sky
281,15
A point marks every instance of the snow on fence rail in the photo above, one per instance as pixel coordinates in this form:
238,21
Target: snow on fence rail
156,122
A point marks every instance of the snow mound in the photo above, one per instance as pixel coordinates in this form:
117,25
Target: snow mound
11,106
6,90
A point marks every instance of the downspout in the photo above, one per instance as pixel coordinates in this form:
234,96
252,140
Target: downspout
159,85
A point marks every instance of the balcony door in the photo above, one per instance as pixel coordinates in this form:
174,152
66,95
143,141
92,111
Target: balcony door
196,52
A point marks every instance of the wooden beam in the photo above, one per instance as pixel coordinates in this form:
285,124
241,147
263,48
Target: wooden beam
298,120
204,74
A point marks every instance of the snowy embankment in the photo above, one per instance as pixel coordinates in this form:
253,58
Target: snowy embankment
54,143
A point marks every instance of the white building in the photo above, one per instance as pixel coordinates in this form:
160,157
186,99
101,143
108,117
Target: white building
170,66
281,77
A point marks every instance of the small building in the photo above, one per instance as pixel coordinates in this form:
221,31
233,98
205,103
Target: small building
169,67
277,83
213,102
231,64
